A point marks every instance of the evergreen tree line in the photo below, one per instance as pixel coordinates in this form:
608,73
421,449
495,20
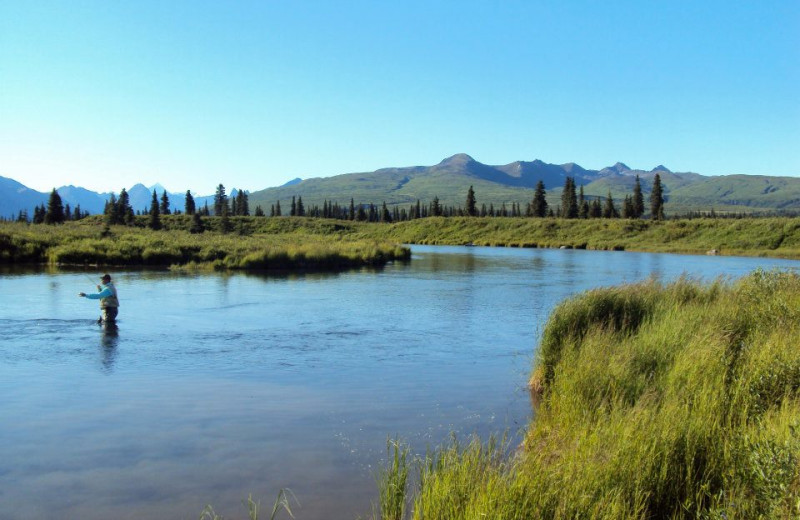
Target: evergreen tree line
55,212
573,205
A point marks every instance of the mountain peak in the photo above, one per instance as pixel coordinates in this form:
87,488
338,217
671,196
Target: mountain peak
661,168
619,168
459,158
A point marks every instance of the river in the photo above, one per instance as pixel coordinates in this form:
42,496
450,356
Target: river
217,386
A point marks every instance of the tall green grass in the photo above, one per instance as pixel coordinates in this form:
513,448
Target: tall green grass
779,236
281,245
657,401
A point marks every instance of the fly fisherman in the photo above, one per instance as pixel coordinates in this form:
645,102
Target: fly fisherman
109,303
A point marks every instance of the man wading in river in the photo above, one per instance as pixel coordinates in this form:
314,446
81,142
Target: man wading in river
109,303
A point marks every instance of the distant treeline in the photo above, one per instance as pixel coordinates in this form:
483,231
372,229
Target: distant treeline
573,205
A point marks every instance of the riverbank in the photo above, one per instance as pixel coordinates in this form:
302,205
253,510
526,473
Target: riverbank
773,237
89,242
289,242
676,401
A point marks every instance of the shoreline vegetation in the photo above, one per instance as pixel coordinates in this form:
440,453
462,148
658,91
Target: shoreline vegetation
656,401
286,243
281,247
772,236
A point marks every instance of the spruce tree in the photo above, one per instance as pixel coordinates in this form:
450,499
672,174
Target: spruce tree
300,210
124,209
352,213
471,211
583,205
197,223
155,219
189,206
628,210
595,210
539,202
38,214
224,220
278,209
638,199
609,211
569,200
436,208
111,211
164,207
220,200
55,209
233,210
293,210
657,199
259,212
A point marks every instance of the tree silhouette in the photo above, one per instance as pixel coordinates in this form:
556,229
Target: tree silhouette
657,200
539,202
471,211
155,219
164,207
55,209
189,206
638,199
220,200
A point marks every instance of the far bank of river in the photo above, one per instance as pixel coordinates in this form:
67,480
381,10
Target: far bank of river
302,243
777,237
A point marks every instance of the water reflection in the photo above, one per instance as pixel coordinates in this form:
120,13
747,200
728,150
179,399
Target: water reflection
109,339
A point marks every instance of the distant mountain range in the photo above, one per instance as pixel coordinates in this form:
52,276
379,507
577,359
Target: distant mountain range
449,181
16,197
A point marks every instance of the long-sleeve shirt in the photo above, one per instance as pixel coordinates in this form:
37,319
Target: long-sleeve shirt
105,293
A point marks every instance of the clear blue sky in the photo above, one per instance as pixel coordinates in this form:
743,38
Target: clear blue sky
252,94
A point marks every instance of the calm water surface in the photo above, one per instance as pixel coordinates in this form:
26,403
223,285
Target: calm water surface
217,386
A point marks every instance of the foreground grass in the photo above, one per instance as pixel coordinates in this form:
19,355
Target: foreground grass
82,243
676,401
778,237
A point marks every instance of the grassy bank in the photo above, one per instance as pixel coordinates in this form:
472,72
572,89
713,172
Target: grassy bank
778,237
291,241
281,245
676,401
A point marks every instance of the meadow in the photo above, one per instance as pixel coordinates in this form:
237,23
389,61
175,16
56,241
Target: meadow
655,401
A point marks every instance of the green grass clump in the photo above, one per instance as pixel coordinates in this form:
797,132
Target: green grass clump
657,401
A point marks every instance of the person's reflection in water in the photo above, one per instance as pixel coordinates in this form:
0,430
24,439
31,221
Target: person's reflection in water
108,345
